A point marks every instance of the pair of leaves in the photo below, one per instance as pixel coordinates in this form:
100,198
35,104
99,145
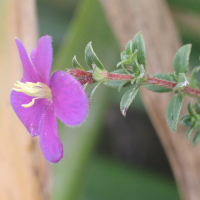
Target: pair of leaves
135,50
181,63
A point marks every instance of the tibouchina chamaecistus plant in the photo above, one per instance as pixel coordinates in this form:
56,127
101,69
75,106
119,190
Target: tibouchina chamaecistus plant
133,75
39,98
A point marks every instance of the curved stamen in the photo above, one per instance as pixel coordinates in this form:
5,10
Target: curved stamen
37,90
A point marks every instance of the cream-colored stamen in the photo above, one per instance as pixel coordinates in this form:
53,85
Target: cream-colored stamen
37,90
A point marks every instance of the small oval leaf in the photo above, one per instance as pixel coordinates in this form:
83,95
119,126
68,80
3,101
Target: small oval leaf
190,109
129,48
91,58
127,99
91,92
185,120
76,64
173,111
181,59
196,138
197,107
123,56
188,133
138,43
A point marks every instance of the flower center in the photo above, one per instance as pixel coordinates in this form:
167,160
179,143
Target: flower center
37,90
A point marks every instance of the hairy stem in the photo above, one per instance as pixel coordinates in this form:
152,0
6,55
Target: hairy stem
86,77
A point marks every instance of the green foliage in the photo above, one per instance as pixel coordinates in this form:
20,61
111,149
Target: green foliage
193,121
159,89
123,56
188,133
138,43
190,109
181,60
92,90
185,120
197,107
129,48
129,58
193,82
76,64
196,138
173,111
127,98
91,58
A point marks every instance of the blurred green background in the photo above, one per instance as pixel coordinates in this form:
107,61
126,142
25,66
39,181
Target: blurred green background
109,157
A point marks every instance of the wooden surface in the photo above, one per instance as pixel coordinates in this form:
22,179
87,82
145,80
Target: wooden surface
153,18
23,170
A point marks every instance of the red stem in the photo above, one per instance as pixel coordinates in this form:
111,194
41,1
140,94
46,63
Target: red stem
86,77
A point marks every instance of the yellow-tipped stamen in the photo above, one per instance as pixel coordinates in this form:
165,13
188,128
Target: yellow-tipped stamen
37,90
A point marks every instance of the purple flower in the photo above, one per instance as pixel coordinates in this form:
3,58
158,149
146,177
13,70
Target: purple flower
38,99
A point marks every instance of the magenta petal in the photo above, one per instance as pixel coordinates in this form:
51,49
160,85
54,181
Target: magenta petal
31,117
69,98
29,73
41,58
49,139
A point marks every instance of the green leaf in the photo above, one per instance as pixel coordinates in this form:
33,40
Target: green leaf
91,92
188,133
197,107
159,89
133,57
117,84
130,59
91,58
181,60
197,123
123,55
196,138
125,84
138,43
173,111
133,81
185,120
127,99
135,68
190,109
193,82
124,62
76,64
129,48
